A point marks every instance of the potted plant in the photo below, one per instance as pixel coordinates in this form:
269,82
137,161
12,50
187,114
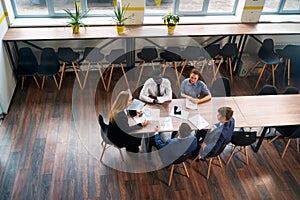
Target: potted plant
119,17
76,17
171,20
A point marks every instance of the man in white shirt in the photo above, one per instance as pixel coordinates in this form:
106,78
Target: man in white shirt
156,89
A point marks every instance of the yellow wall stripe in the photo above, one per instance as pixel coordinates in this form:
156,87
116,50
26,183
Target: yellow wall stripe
253,7
2,17
136,8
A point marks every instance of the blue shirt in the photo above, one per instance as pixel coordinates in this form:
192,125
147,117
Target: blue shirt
194,90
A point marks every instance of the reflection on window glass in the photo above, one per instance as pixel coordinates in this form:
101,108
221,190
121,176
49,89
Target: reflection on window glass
190,5
158,6
100,7
60,5
271,5
31,7
292,5
220,6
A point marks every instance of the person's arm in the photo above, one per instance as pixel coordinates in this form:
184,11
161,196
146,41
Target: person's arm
204,99
168,89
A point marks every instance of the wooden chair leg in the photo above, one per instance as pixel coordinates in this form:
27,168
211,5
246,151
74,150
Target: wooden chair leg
217,70
101,75
86,75
140,74
261,73
181,71
230,69
55,81
43,82
297,144
37,83
185,169
171,175
124,73
104,148
220,161
246,155
286,146
77,76
289,71
62,75
110,76
23,79
208,170
252,68
197,158
275,138
121,155
232,152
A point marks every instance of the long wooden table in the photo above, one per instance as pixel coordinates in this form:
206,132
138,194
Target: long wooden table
249,111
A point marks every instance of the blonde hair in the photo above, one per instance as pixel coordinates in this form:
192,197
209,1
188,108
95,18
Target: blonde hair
119,104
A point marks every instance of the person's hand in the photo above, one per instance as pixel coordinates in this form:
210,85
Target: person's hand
156,129
139,113
155,101
203,145
144,122
195,100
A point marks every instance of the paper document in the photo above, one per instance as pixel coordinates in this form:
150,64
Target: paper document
199,121
151,114
162,99
165,124
190,105
136,105
183,115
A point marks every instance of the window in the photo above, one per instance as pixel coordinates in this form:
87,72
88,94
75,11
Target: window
54,8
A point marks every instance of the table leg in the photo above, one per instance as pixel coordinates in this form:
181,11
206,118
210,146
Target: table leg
256,147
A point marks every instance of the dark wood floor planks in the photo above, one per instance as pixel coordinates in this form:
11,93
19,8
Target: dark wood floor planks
44,157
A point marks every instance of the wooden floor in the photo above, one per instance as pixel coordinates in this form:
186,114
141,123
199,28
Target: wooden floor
50,149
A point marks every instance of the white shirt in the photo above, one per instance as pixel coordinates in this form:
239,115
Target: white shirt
150,89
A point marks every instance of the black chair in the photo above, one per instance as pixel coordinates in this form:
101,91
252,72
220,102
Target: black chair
193,54
267,56
27,65
147,55
228,52
211,157
291,90
286,54
173,55
49,66
180,160
242,139
92,55
116,56
105,141
268,90
291,132
214,52
221,87
68,57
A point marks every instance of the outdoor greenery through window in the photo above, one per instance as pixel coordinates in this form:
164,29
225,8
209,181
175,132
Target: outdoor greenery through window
54,8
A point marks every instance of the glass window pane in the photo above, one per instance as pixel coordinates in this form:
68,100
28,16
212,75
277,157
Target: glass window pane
292,5
100,7
31,7
221,6
158,6
60,5
190,5
271,5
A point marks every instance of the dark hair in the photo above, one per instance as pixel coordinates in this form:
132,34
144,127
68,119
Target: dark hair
226,112
197,72
184,130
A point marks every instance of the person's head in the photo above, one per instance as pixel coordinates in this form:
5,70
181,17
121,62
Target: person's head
184,130
224,114
123,100
157,76
195,75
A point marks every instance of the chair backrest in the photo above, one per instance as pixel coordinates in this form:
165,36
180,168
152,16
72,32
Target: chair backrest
182,158
66,54
267,53
49,64
296,133
148,53
220,150
229,50
27,62
104,129
243,138
191,53
171,54
291,90
92,54
116,56
221,87
213,50
268,90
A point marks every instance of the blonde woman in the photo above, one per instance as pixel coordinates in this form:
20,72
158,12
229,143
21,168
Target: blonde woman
119,129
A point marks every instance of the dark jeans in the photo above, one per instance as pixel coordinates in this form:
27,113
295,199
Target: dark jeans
200,135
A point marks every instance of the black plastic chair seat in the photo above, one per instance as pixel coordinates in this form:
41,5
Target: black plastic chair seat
229,50
92,54
243,138
66,54
148,54
289,131
213,50
268,90
291,90
171,54
267,54
191,53
27,62
49,62
116,56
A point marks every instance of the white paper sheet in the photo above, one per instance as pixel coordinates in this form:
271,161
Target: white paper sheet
198,121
